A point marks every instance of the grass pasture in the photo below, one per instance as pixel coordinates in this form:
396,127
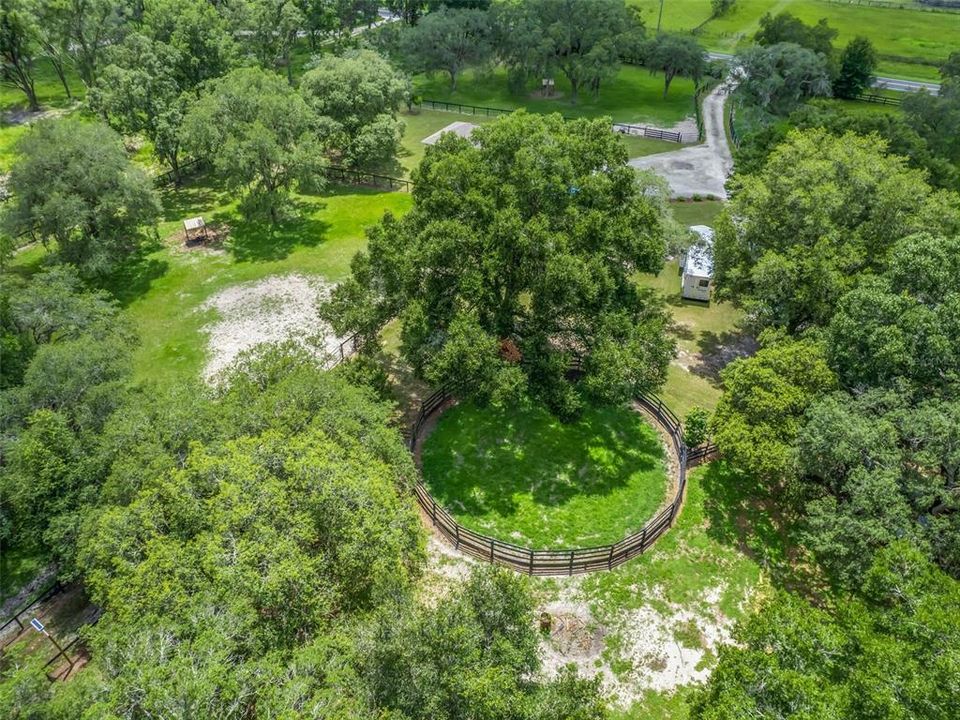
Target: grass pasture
922,39
635,96
165,287
524,477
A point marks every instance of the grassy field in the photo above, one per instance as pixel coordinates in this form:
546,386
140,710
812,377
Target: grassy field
164,288
524,477
701,329
895,32
635,96
709,570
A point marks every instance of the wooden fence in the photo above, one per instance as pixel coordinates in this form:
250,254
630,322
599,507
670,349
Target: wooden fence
16,619
879,99
568,561
625,128
649,132
349,176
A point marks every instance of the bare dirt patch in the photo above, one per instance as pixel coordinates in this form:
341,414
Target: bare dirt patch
274,310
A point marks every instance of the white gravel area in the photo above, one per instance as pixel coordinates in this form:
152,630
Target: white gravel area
273,310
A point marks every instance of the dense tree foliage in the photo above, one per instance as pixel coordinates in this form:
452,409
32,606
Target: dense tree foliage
900,137
261,136
357,97
520,244
675,54
448,41
798,234
765,397
75,188
137,92
937,117
778,78
583,39
786,28
857,63
890,653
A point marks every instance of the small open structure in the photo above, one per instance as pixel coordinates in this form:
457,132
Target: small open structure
463,129
696,266
194,229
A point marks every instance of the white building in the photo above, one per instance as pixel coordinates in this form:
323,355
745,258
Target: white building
696,266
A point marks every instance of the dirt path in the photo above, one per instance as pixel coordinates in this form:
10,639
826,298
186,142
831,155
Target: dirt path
703,169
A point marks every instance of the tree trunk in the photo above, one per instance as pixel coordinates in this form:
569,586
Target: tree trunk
453,80
667,78
574,90
58,67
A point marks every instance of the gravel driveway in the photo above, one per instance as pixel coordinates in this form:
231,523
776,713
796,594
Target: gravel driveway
702,169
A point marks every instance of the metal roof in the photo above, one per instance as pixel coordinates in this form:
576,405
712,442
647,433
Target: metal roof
699,257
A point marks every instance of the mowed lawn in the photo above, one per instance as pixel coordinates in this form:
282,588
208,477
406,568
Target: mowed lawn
524,477
895,32
634,96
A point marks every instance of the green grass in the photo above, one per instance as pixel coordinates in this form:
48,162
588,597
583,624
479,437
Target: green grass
894,32
50,92
9,134
635,96
163,288
17,568
524,477
700,328
719,556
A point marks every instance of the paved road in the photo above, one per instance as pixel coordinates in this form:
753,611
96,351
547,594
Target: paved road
881,83
702,169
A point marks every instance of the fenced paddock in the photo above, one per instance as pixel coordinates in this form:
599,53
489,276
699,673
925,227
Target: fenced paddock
568,561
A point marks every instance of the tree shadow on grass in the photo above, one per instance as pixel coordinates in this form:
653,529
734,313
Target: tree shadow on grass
258,240
195,196
133,278
483,459
717,350
746,514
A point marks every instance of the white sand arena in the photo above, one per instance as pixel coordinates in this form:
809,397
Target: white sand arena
272,310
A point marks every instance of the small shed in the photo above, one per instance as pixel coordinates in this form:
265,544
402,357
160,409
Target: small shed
696,266
194,229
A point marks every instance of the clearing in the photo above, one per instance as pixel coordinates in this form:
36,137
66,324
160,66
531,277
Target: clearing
522,476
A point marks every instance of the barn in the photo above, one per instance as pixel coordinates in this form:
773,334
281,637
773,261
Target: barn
696,266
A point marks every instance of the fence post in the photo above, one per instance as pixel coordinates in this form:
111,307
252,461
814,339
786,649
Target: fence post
610,559
491,549
531,561
433,514
571,562
457,533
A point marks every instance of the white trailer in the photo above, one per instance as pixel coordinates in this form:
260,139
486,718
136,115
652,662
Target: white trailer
696,266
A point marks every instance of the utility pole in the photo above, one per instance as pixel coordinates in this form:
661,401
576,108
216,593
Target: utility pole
660,17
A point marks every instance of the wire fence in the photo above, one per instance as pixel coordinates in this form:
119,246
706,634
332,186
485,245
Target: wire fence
568,561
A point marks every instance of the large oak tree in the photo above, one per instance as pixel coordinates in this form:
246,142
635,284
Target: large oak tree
521,243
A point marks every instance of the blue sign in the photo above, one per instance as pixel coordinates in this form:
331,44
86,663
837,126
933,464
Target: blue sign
37,625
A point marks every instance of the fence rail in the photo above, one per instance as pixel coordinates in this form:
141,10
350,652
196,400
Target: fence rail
48,592
336,173
569,561
625,128
880,99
